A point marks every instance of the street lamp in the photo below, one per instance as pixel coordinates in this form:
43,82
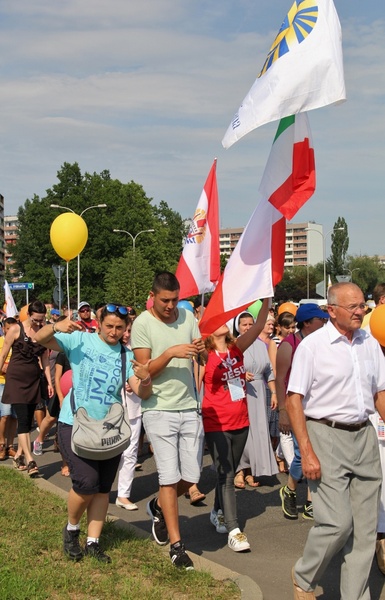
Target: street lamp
324,236
81,214
351,272
133,237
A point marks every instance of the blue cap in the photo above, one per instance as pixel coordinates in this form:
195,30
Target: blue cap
55,311
310,311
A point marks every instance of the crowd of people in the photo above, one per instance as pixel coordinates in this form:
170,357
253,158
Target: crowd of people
293,392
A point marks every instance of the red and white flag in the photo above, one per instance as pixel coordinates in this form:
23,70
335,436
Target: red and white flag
257,262
198,270
11,309
303,69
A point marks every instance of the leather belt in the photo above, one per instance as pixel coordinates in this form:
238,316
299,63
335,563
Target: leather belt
337,425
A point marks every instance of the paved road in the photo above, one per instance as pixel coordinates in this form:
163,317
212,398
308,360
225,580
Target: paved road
276,543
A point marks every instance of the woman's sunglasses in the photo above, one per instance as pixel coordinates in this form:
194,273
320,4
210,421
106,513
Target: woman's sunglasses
113,308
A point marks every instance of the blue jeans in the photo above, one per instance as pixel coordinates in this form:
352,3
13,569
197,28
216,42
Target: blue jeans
296,465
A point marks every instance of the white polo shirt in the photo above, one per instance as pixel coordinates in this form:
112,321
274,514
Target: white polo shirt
338,379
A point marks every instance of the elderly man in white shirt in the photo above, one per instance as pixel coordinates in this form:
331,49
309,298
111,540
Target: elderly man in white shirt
337,381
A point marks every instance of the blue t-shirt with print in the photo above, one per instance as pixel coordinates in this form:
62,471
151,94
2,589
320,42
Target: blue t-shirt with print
96,373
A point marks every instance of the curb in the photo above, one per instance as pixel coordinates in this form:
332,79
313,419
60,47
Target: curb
249,589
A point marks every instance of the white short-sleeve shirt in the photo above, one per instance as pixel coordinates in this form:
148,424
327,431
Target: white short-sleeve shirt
337,378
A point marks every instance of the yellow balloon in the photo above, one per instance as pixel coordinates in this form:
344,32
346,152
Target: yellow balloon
69,235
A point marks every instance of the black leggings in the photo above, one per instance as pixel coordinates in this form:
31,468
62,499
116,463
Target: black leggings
88,476
24,413
226,448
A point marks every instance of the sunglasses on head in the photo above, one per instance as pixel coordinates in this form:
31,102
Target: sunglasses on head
113,308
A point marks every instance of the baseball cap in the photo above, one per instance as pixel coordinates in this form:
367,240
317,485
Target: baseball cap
83,304
55,311
310,311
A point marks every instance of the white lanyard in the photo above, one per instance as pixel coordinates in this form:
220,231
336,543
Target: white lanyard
234,384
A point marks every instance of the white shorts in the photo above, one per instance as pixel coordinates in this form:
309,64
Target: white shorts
177,441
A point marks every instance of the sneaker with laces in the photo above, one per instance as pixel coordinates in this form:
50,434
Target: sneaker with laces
159,529
37,448
71,544
218,520
238,542
308,510
289,502
180,558
93,549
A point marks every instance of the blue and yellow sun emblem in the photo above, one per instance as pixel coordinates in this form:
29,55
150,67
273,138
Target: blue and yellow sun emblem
299,22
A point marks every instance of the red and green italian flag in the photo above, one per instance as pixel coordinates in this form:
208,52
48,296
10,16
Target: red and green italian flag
257,263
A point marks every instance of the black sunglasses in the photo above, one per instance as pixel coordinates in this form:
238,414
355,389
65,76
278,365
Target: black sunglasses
112,308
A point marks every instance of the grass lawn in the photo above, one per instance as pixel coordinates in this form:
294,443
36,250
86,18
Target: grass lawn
33,566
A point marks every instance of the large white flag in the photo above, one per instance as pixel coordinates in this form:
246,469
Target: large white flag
11,309
257,263
303,70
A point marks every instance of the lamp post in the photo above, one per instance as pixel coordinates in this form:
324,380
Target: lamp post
81,214
351,272
324,236
133,238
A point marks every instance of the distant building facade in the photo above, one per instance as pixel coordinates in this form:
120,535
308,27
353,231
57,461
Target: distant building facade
303,244
2,243
11,233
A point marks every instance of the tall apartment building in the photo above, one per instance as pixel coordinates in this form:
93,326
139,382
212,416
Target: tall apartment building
2,244
303,245
228,239
11,233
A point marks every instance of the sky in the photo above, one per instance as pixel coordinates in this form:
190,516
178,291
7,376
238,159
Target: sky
147,90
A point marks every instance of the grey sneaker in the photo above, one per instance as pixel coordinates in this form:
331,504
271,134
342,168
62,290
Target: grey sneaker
159,529
218,520
289,502
308,510
37,448
71,544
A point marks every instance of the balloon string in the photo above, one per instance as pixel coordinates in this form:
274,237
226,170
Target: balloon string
68,291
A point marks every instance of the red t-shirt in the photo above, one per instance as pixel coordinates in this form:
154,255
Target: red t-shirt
219,411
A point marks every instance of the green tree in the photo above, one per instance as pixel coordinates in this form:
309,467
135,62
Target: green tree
296,281
365,271
128,208
128,280
224,260
340,246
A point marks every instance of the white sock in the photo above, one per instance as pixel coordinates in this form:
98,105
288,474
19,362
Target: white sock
91,540
71,527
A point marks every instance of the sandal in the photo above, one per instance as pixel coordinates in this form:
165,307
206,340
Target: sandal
251,482
196,496
239,481
33,471
11,452
281,465
19,464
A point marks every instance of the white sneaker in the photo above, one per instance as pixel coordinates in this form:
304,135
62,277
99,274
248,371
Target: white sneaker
218,520
37,448
237,541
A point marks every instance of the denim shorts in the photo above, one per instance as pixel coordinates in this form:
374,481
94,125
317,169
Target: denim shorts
6,410
177,441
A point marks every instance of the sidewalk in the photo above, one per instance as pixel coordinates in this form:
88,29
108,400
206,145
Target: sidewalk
276,543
